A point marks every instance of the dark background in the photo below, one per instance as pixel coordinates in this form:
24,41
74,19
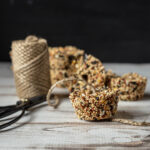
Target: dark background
114,31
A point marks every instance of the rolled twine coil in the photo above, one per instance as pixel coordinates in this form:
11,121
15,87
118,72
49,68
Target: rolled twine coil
30,67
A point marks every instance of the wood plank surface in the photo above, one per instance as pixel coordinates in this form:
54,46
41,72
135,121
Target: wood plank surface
47,128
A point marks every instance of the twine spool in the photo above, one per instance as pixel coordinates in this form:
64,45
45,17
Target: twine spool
30,66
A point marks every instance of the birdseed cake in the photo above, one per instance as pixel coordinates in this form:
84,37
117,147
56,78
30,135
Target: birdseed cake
131,86
64,62
92,71
93,105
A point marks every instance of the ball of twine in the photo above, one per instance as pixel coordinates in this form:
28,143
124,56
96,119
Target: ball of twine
30,64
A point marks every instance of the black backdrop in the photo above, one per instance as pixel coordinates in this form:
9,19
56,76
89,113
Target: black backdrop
114,31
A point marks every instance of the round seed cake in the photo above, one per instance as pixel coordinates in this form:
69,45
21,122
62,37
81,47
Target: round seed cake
64,62
92,71
93,105
131,86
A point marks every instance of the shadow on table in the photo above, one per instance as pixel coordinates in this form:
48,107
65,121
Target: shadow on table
124,115
146,97
11,127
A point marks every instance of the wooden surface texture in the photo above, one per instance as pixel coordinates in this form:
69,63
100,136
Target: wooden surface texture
48,128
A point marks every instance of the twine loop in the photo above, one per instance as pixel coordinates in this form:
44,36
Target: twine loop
56,100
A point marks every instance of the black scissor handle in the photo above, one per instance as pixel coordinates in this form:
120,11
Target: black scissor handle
22,106
12,121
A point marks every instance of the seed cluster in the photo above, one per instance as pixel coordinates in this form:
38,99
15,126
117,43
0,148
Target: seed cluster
95,91
91,71
91,99
131,86
95,94
93,104
64,61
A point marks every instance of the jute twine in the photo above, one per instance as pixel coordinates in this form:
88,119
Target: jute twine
55,103
30,64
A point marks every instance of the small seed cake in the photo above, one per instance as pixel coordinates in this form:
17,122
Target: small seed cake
131,86
93,105
64,62
92,71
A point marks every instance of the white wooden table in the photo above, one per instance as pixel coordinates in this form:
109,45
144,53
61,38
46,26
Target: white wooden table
48,128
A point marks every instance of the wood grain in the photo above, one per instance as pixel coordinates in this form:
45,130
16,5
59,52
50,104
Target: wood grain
46,128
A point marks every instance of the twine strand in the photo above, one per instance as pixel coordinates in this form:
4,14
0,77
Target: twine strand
56,100
130,122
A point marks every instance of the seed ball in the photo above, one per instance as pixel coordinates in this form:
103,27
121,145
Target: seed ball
92,71
64,62
131,86
94,105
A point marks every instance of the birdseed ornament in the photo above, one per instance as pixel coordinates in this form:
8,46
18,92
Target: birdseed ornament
91,71
91,104
131,86
64,62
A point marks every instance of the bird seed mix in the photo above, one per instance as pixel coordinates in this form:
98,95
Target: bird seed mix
64,62
131,86
92,104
